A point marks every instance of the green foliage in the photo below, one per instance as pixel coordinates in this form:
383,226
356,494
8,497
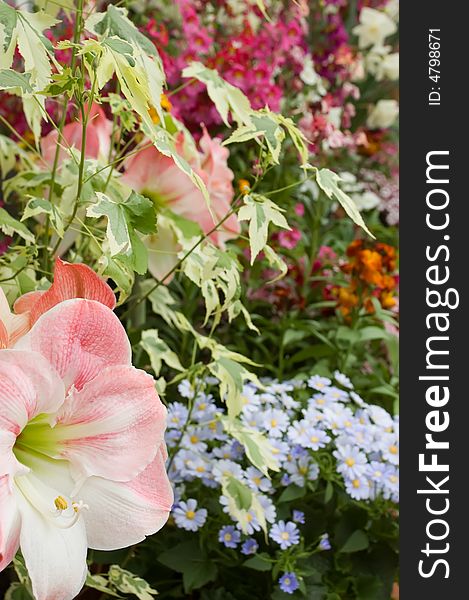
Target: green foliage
124,221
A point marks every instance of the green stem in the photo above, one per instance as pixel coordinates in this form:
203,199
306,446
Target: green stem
76,37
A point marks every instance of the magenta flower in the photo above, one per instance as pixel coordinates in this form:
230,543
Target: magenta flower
289,239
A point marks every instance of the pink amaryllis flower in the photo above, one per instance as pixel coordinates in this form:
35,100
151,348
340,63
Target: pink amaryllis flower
157,176
81,447
70,281
98,137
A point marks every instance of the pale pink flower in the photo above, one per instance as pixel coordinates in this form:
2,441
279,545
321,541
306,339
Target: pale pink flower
70,281
81,447
151,173
98,137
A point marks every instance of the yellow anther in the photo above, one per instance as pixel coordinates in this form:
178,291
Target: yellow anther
356,483
200,469
273,423
350,462
60,503
194,439
393,449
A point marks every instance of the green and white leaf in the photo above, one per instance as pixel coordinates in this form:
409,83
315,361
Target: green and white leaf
11,226
328,181
241,515
41,206
224,95
258,448
128,583
159,352
260,211
24,30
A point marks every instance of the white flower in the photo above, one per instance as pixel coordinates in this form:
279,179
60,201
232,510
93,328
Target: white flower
392,9
309,76
381,64
383,114
375,26
390,66
366,201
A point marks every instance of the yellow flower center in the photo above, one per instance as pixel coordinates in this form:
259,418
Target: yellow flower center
285,535
190,514
194,439
356,483
350,462
273,423
393,449
314,439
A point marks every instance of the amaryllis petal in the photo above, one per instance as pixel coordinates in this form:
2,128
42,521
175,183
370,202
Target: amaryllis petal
4,337
9,524
113,427
123,514
163,249
12,327
28,387
70,281
79,338
55,557
25,302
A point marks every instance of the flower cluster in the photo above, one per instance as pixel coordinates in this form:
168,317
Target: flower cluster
303,423
371,270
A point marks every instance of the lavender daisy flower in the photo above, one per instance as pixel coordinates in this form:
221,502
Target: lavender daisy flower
285,534
299,516
229,536
324,543
288,583
250,546
188,517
